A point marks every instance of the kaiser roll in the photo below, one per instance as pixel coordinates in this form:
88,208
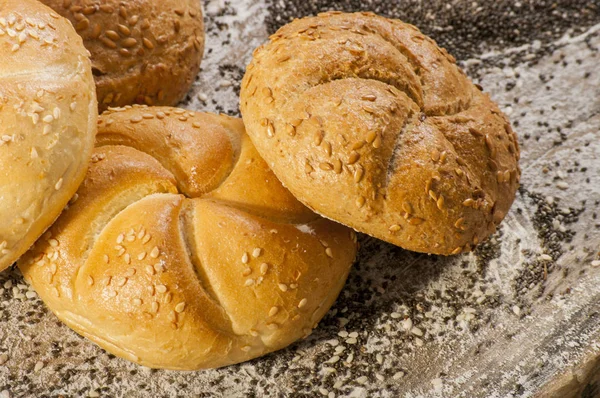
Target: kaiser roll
143,51
183,251
369,123
48,114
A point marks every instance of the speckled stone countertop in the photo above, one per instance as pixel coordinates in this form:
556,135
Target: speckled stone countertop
519,317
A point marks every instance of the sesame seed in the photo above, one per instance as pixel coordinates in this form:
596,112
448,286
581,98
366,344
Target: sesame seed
245,258
179,308
90,281
264,267
326,166
249,282
141,256
283,287
329,252
48,119
595,263
394,228
273,311
353,158
416,331
302,303
416,221
440,202
358,174
58,184
161,288
369,97
257,252
377,142
155,252
155,306
38,366
149,269
137,301
360,201
270,130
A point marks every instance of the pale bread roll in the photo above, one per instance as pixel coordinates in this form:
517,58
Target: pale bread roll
183,251
369,123
48,114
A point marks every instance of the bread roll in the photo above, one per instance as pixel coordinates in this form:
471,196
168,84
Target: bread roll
48,114
369,123
143,51
183,251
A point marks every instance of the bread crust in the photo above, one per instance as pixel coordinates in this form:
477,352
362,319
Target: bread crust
183,250
48,114
143,51
369,123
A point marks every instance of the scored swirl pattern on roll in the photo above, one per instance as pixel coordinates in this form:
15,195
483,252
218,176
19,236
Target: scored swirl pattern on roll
371,112
182,250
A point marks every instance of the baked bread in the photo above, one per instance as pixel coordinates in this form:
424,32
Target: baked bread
183,251
48,114
143,51
369,123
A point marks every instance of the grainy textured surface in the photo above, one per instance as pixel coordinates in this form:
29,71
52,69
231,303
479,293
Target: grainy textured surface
517,318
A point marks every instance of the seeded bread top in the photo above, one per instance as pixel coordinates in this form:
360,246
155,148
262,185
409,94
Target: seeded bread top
48,114
369,123
183,251
143,51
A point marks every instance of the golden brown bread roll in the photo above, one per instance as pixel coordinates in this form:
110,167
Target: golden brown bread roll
183,251
369,123
143,51
48,113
